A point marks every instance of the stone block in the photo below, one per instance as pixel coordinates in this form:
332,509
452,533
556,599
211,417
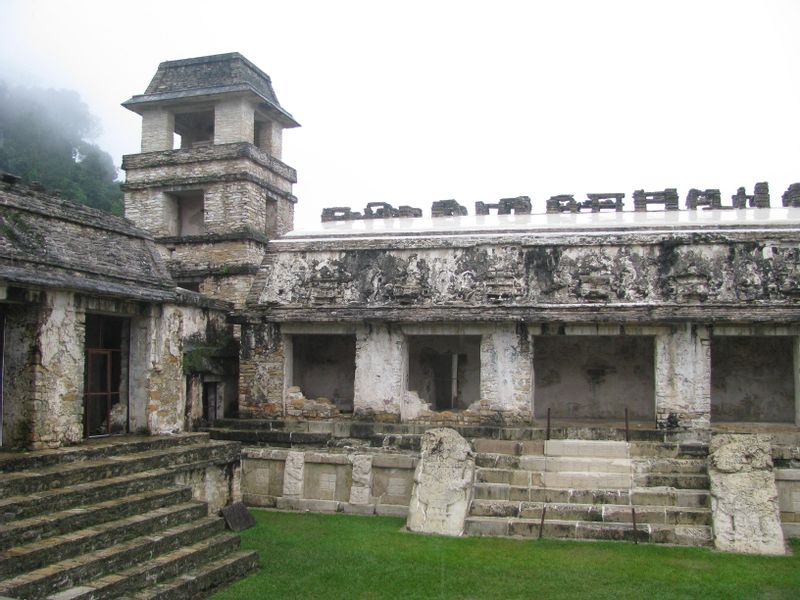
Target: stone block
358,509
391,510
532,463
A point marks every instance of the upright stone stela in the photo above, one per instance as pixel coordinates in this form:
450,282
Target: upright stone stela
214,201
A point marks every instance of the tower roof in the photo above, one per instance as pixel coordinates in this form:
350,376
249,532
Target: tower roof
198,78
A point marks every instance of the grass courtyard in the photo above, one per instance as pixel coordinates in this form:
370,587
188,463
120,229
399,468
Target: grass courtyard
306,555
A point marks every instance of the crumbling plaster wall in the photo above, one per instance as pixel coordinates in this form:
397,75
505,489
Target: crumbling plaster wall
157,352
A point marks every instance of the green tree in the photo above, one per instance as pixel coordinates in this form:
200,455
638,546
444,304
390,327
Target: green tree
44,137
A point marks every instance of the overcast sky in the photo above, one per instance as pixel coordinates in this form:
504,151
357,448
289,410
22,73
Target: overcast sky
410,102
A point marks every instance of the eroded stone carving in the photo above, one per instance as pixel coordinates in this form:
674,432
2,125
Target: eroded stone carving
448,208
791,197
744,498
668,199
708,199
442,484
521,205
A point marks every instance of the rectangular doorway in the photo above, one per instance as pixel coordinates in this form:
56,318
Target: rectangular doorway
445,370
105,406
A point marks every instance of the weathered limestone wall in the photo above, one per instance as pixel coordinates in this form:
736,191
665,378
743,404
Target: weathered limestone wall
245,188
218,485
683,378
361,481
261,371
744,498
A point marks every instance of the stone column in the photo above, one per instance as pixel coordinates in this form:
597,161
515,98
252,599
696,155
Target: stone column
507,371
683,377
158,129
381,369
234,121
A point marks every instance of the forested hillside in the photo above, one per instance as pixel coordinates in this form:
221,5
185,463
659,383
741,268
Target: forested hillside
45,136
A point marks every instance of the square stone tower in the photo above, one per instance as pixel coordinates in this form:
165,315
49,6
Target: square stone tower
209,183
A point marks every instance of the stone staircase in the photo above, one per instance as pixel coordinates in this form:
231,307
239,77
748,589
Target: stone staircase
590,489
108,520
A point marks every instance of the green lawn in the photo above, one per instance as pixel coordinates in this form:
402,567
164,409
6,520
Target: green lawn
306,555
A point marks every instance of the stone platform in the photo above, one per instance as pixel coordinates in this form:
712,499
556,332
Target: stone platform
584,482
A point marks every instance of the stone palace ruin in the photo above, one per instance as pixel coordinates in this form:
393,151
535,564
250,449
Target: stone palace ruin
623,366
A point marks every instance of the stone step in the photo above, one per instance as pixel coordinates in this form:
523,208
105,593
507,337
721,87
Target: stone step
100,563
160,568
678,481
280,438
586,448
25,557
693,535
94,450
607,513
24,507
671,497
25,531
697,450
559,464
56,476
666,466
494,460
201,581
587,481
512,448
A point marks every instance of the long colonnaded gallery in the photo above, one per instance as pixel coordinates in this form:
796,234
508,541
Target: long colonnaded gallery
617,367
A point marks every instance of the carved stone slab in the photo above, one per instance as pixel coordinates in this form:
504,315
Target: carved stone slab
744,497
237,517
442,484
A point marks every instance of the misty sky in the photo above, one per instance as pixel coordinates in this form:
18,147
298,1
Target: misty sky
410,102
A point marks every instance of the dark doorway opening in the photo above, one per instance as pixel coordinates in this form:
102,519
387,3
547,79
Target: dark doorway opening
210,401
324,366
106,376
752,379
445,370
594,377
